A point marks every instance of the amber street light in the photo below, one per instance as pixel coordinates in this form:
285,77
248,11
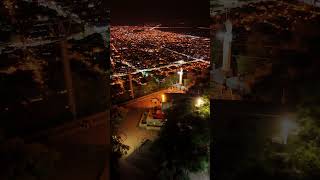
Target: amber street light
163,98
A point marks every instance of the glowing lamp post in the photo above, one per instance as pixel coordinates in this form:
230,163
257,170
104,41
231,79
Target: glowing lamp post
199,102
287,126
163,98
180,76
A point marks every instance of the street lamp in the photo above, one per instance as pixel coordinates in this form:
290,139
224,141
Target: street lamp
199,102
287,126
163,98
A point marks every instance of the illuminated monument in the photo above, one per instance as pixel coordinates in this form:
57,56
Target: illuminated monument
220,74
223,75
180,85
180,76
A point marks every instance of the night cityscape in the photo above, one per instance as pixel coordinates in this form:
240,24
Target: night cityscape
153,56
163,90
54,86
160,78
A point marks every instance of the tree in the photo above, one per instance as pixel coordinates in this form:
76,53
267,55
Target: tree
204,109
150,86
183,143
118,148
306,146
170,80
299,158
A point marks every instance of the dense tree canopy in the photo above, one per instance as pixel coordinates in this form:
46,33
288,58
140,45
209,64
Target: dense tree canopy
183,143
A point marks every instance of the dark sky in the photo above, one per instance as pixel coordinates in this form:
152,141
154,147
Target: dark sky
159,11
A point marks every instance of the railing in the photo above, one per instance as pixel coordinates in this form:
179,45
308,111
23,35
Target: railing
72,127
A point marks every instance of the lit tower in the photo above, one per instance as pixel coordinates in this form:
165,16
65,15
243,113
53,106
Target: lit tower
227,39
180,76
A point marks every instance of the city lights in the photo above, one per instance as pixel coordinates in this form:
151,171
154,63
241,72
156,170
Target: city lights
147,49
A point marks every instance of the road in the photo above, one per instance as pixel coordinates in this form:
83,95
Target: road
132,134
175,63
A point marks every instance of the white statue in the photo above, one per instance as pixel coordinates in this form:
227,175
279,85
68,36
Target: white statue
180,76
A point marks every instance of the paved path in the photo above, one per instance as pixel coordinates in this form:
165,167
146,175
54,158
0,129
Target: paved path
128,171
80,162
132,134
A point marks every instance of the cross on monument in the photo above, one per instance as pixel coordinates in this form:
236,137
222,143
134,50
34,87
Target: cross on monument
180,76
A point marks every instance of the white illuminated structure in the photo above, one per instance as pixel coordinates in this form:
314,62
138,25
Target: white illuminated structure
288,126
180,76
199,102
227,39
